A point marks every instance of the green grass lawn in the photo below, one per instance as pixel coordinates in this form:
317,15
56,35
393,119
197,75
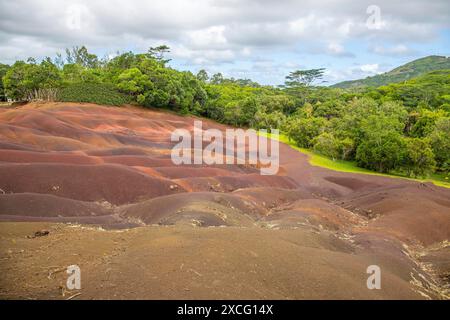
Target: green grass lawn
350,166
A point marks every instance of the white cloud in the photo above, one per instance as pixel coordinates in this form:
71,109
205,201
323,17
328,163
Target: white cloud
204,56
208,37
370,68
217,31
357,71
337,49
397,50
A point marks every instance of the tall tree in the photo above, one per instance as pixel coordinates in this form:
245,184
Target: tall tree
82,57
158,53
3,69
303,77
202,75
217,78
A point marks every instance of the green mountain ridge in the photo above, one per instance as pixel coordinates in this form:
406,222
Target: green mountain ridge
402,73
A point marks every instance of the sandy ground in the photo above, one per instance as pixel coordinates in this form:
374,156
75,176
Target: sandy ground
101,182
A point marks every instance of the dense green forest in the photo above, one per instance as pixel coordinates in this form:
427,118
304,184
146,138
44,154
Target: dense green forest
401,127
405,72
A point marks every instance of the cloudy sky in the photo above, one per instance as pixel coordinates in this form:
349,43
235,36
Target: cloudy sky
258,39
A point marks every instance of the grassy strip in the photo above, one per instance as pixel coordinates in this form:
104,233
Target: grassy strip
350,166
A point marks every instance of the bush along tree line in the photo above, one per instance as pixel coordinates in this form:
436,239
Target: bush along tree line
400,127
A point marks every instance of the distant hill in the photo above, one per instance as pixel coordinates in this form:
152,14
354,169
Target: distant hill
407,71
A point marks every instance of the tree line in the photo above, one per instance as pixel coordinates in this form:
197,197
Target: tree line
401,127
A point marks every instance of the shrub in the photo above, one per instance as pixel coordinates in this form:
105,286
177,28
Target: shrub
32,81
419,158
440,143
328,145
100,93
383,152
304,130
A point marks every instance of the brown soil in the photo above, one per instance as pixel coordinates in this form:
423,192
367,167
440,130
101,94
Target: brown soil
197,231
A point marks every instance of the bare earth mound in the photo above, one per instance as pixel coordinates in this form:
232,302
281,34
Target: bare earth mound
101,181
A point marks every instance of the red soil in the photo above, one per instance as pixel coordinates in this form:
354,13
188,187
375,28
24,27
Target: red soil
67,162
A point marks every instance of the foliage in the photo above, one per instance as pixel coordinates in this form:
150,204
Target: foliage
419,158
300,78
329,145
304,130
3,69
381,152
99,93
425,122
82,57
32,81
158,53
428,91
202,75
440,143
